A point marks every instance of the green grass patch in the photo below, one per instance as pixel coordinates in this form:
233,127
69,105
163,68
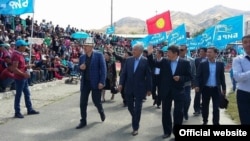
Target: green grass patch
232,109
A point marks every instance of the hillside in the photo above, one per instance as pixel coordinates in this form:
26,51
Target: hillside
194,23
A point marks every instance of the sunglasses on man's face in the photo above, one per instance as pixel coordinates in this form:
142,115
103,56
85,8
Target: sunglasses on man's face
182,49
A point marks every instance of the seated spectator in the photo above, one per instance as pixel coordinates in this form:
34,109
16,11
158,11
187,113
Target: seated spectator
62,69
7,79
56,68
41,66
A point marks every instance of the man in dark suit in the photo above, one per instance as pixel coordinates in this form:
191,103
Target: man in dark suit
93,68
210,79
136,78
197,98
175,71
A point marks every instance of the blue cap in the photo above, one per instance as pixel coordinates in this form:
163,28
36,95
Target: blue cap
21,43
27,59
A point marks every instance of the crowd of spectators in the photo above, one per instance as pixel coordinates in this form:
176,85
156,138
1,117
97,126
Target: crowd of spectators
54,58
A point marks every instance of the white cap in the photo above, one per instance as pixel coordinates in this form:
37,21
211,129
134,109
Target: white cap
89,41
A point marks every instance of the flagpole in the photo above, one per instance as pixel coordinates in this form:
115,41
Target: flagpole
32,31
111,18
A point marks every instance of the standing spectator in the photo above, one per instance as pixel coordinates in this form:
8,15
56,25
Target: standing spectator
111,76
232,79
137,79
28,21
241,73
19,69
122,60
210,81
93,68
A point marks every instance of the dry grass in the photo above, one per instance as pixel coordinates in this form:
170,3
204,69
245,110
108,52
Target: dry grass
232,109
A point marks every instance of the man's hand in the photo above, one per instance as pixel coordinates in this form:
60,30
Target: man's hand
26,75
82,66
120,88
150,49
100,86
149,93
197,89
176,78
223,92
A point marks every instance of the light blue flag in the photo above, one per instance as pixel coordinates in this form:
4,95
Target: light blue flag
142,41
192,44
16,7
164,49
207,37
178,36
110,30
229,30
154,39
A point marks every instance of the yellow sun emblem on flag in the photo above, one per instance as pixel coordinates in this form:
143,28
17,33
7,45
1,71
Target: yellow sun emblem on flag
160,23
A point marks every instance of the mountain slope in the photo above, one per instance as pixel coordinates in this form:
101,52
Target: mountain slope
194,23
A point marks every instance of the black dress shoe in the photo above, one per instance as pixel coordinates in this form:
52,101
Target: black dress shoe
103,117
154,103
18,115
81,125
204,123
134,133
33,112
196,113
166,136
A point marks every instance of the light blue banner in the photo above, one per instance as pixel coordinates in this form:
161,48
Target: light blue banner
229,30
154,39
142,41
192,44
16,7
207,37
110,30
178,36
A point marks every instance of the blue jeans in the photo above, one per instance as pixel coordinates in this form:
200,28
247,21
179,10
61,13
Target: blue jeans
234,84
22,86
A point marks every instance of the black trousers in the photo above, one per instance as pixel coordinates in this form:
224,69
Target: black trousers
96,98
207,94
178,96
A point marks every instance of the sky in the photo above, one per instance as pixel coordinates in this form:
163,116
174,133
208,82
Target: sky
95,14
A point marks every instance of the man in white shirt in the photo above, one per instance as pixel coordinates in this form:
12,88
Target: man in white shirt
241,73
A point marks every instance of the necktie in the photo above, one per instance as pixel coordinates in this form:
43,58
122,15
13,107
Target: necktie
248,58
136,63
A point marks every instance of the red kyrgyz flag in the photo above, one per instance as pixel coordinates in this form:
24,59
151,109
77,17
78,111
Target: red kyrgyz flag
159,23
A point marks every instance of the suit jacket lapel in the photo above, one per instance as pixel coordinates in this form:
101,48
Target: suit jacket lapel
217,69
92,59
138,65
177,66
207,68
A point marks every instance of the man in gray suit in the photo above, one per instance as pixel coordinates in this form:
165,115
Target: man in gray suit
137,80
189,84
